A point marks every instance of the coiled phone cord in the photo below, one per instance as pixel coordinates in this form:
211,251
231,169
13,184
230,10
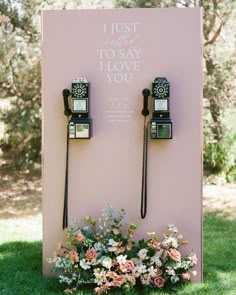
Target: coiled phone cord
65,209
144,171
145,113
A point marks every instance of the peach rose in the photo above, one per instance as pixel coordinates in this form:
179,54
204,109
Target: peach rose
98,290
123,267
111,274
129,247
154,244
175,255
186,276
158,282
59,246
54,255
119,250
73,256
91,254
118,281
79,236
116,231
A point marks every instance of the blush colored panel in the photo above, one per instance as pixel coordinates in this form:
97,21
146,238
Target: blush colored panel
120,52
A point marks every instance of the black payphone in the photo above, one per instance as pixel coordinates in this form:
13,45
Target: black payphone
160,125
79,124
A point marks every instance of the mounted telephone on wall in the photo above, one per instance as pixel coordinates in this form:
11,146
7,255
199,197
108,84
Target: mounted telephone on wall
80,124
160,125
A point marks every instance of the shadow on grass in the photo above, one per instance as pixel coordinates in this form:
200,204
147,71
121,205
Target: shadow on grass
20,265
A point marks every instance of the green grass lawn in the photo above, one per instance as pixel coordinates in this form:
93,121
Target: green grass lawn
20,265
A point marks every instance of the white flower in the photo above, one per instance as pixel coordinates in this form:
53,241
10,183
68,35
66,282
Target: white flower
142,268
177,265
142,254
64,279
180,237
100,277
60,262
156,259
98,246
193,259
112,249
145,279
112,243
139,269
121,259
172,228
170,271
136,261
170,242
152,271
135,272
84,264
194,272
106,262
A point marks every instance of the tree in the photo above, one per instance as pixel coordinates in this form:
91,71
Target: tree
20,79
219,75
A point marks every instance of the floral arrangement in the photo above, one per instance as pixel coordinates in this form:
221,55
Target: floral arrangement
104,254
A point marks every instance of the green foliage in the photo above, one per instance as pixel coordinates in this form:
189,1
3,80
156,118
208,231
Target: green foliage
20,81
219,155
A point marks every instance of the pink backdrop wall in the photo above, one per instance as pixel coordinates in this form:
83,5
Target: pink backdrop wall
119,61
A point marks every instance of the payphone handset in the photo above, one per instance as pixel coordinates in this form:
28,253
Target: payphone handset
80,124
160,126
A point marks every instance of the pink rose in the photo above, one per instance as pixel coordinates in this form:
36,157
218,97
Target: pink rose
153,243
73,256
79,236
91,254
158,282
129,265
186,276
175,255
